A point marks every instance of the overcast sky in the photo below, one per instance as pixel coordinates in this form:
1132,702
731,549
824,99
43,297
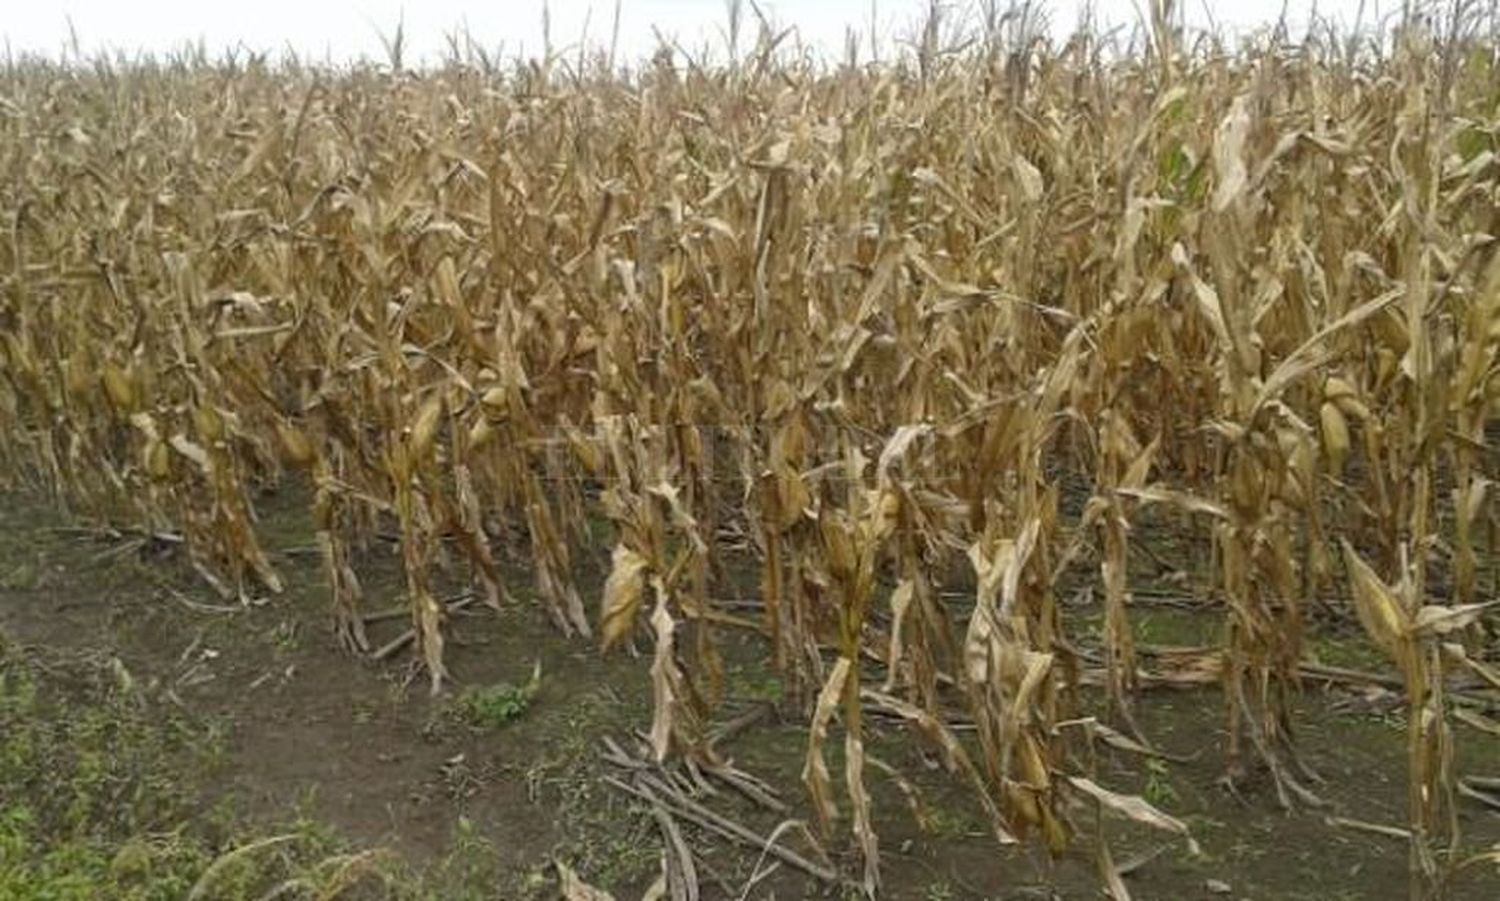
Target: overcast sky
350,29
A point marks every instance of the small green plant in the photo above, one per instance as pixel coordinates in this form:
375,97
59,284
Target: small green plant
22,578
939,891
97,805
493,706
469,870
286,637
1352,651
1159,790
364,712
949,823
754,684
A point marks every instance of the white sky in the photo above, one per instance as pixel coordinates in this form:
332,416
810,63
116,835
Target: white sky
350,29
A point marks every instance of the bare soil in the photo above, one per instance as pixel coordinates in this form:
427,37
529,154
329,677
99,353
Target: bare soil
361,746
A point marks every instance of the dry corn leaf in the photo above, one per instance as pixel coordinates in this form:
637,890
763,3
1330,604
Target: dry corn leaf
665,679
953,752
1456,652
1189,502
859,801
573,887
1438,620
1134,807
193,452
901,599
815,768
1229,152
623,590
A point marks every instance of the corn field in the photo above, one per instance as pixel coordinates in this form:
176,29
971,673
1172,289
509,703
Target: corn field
929,345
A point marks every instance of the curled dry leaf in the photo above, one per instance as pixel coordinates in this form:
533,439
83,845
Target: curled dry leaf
665,679
623,591
901,600
1438,620
859,800
1229,154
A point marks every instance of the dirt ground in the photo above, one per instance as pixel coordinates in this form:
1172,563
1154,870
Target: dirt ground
308,731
